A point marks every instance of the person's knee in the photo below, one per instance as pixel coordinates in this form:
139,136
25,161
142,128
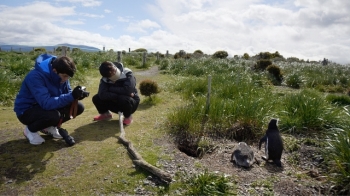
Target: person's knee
96,99
81,108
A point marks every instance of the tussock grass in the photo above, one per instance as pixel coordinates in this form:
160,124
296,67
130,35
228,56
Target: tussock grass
241,99
207,183
308,110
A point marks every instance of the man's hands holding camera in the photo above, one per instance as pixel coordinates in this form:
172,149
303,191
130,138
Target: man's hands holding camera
79,92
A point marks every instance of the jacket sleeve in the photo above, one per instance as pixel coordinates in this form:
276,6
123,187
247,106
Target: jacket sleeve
126,88
69,88
42,95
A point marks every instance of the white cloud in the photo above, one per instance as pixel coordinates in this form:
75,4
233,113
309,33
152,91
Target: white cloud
73,22
312,29
123,19
92,15
107,27
85,3
308,29
107,11
142,26
31,11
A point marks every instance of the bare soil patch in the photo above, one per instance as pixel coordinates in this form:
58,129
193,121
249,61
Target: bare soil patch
306,178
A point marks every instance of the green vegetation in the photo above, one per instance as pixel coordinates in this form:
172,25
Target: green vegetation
148,88
308,98
242,99
221,54
207,183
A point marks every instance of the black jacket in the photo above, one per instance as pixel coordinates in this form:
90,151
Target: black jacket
125,85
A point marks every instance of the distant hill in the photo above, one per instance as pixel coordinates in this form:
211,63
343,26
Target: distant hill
24,48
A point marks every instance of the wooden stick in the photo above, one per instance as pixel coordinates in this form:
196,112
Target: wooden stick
137,158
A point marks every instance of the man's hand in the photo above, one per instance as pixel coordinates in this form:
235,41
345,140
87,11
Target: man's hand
77,92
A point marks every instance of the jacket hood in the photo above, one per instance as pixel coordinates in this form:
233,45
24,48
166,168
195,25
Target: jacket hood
43,65
123,73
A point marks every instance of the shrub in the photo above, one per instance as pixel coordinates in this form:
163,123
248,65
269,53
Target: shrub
148,88
140,50
293,59
262,64
246,56
163,64
59,49
221,54
40,50
276,73
210,184
265,55
181,54
76,50
198,52
277,55
294,80
129,60
338,99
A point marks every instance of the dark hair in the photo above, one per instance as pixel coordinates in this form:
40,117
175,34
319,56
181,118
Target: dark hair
106,69
64,65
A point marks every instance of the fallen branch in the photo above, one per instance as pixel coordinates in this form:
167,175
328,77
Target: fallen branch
137,158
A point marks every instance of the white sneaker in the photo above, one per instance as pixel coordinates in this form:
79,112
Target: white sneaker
33,137
52,131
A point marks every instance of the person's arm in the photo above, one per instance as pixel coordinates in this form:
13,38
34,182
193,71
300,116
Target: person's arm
42,95
128,87
104,93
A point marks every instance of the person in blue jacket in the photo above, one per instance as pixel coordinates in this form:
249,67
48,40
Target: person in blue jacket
116,92
45,97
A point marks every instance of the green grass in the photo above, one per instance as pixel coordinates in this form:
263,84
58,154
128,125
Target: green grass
99,164
339,149
207,183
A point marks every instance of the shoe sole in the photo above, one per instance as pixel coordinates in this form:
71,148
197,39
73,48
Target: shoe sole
54,136
127,124
57,137
103,119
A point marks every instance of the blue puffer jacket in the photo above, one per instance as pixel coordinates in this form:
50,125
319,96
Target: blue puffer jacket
43,86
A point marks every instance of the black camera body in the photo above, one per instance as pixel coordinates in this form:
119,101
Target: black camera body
85,93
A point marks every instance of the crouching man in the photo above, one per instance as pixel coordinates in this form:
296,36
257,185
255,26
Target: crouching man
116,93
44,100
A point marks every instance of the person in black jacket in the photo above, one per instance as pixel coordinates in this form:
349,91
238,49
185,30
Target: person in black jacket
116,93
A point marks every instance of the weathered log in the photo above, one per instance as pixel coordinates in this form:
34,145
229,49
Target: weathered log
137,158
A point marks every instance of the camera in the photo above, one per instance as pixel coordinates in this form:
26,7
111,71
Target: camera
85,93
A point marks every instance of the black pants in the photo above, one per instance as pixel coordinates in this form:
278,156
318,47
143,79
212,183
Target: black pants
124,104
37,118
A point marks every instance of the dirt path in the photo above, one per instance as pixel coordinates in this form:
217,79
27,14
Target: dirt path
150,72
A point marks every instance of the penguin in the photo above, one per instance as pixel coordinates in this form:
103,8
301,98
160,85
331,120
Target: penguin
273,143
243,155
